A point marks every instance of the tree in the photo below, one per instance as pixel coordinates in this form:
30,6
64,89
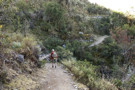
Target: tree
124,41
55,15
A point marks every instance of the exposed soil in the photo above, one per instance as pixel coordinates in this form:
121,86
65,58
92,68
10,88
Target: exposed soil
56,79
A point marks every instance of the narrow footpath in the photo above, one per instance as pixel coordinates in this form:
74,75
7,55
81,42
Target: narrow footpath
57,79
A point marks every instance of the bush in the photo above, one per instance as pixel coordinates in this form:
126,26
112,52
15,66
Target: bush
101,26
29,47
55,15
117,83
16,37
41,63
130,29
3,76
78,49
18,44
63,53
130,82
52,42
103,84
108,51
4,40
96,9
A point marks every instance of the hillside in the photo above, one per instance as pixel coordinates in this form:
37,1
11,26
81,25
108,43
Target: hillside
96,44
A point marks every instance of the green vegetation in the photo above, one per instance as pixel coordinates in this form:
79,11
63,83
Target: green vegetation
64,53
85,73
25,23
19,44
13,46
96,9
52,42
41,63
130,29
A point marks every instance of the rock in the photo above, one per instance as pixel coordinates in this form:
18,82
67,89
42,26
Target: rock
65,71
7,61
1,86
72,74
20,58
75,86
133,85
81,33
15,89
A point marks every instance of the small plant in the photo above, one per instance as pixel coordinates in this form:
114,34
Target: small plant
117,82
3,76
41,63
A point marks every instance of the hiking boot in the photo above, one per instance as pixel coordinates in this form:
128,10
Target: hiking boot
52,66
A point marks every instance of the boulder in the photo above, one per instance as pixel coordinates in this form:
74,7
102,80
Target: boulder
133,86
20,58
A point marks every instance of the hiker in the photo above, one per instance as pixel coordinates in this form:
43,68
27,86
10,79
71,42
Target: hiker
53,58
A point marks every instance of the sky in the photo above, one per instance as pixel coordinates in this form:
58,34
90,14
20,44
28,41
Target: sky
117,5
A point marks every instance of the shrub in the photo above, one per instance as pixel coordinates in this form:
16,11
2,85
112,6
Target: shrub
96,9
117,82
101,26
109,51
4,40
16,37
103,84
21,45
130,29
130,82
41,63
52,42
54,12
29,48
78,48
3,76
64,53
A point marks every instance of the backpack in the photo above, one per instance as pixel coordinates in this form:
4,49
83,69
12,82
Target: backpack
54,55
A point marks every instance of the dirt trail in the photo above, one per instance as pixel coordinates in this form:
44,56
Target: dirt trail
46,78
56,79
98,40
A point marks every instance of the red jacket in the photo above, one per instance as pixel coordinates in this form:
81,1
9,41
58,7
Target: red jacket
52,56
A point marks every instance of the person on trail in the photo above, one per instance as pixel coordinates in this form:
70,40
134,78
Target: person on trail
53,58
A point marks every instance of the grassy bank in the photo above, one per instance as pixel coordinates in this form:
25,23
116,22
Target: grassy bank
85,73
13,45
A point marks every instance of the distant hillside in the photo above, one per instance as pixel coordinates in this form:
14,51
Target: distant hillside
77,16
